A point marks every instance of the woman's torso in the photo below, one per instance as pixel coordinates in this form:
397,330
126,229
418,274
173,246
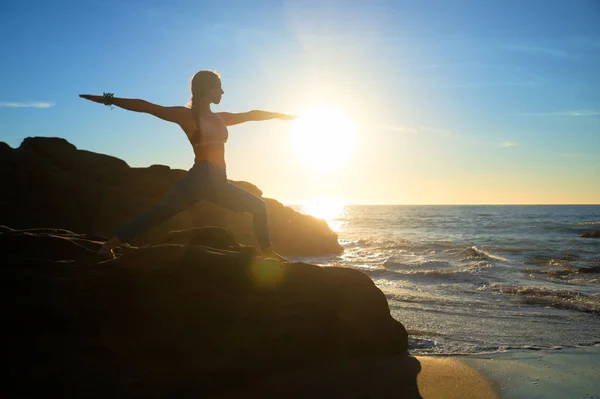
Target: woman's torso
209,141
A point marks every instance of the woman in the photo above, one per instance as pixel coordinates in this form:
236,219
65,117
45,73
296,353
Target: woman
207,179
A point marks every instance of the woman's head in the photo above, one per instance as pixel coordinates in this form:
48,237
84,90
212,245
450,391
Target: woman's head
206,86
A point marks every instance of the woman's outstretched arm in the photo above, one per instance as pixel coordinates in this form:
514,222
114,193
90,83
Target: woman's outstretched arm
179,115
231,119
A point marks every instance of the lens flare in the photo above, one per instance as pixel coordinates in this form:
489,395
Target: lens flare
266,273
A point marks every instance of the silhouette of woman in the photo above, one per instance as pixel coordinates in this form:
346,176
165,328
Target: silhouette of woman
207,179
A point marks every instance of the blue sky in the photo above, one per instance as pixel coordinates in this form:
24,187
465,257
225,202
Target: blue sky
455,102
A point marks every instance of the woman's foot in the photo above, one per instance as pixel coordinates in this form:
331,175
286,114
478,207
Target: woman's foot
106,252
270,253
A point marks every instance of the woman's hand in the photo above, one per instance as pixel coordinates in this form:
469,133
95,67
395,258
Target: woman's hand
96,99
231,119
286,117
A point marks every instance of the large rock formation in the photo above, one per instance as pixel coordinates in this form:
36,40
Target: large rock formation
173,320
49,182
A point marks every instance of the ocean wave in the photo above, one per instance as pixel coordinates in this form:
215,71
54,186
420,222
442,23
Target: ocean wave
354,243
436,273
422,264
562,260
518,250
445,249
396,245
421,346
372,243
584,280
415,332
586,223
560,299
462,274
565,272
565,228
397,265
475,252
551,272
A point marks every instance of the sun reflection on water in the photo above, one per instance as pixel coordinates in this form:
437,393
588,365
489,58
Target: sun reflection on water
329,209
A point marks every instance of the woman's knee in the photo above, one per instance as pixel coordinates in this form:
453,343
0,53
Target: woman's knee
258,207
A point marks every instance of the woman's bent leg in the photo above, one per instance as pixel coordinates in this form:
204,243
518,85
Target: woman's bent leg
171,205
240,200
193,187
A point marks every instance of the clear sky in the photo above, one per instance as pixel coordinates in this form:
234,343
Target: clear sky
454,102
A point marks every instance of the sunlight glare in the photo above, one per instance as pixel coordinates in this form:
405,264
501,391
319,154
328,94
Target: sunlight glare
329,209
324,138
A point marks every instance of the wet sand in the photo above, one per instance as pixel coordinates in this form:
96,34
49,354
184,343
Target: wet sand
564,373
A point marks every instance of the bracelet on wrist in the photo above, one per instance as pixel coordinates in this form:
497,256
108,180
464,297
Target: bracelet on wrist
108,98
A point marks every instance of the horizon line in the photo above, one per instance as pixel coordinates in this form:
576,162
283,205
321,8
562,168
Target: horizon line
551,204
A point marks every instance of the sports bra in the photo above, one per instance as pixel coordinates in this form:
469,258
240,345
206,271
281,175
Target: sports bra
209,133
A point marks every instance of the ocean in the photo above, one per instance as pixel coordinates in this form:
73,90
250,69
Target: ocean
473,279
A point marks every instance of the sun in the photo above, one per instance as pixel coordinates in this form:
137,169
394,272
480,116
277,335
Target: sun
324,138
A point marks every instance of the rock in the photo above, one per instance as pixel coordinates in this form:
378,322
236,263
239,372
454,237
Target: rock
49,182
174,320
45,245
214,237
54,149
5,150
587,270
591,234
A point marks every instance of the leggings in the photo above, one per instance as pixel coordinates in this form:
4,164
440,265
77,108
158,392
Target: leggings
204,181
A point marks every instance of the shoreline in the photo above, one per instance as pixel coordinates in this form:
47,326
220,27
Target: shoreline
508,350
